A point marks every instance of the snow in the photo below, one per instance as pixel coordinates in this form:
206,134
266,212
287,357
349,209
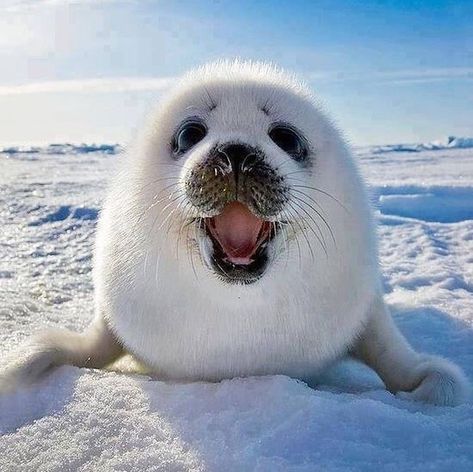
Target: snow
79,419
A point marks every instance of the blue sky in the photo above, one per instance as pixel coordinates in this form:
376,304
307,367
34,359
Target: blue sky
89,70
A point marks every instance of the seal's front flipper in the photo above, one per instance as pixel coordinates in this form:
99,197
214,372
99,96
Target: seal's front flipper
95,347
412,375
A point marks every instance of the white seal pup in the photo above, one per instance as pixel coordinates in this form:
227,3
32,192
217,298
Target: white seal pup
237,240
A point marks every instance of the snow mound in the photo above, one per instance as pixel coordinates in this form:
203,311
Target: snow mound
451,142
89,420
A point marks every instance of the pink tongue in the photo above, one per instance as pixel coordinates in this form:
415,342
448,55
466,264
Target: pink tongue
237,230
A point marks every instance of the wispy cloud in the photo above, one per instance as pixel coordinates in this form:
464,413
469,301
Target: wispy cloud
103,85
131,84
135,84
15,5
405,76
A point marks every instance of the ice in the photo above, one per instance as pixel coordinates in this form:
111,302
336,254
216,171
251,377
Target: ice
451,142
62,149
79,419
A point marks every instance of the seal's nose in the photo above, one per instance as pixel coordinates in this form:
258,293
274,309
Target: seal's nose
240,157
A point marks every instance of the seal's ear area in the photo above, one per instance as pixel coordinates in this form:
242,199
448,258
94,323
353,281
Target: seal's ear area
95,347
411,375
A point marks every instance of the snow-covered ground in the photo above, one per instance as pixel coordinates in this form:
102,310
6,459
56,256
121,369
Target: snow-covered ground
79,419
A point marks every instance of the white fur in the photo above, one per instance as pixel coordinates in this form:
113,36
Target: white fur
313,305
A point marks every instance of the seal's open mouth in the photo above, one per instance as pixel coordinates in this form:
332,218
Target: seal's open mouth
240,242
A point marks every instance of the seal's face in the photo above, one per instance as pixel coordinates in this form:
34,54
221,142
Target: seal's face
240,195
241,153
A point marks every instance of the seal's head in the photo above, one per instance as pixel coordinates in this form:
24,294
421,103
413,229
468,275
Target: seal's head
231,156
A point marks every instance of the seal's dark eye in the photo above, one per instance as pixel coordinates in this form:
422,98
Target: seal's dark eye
188,136
289,141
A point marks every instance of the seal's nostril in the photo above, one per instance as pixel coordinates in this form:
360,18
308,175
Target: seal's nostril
249,162
239,156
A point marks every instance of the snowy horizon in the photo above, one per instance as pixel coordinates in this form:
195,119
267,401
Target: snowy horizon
448,142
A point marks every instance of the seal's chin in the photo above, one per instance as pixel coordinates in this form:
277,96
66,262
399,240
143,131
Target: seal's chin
239,243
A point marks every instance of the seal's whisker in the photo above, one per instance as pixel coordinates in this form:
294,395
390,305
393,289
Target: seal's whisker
155,203
169,199
299,202
285,238
303,204
156,269
168,217
180,196
310,197
301,197
174,184
320,238
286,241
289,217
134,208
188,222
186,210
150,207
173,164
145,262
190,252
172,200
304,171
302,201
199,240
161,212
315,189
300,221
139,190
160,179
